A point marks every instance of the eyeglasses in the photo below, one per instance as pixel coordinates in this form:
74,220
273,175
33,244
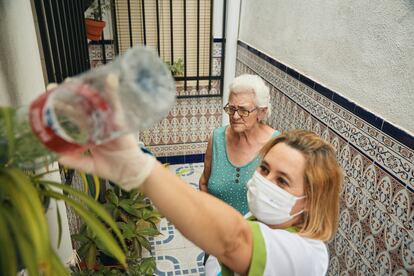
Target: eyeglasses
242,112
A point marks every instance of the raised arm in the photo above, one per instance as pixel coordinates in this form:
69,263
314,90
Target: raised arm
207,221
210,223
205,176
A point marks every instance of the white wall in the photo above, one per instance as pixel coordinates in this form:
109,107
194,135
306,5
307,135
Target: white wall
363,50
218,18
21,77
232,28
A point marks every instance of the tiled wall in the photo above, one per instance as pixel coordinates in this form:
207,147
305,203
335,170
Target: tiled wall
185,130
376,232
182,136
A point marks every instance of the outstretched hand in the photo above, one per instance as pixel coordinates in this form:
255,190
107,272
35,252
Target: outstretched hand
120,161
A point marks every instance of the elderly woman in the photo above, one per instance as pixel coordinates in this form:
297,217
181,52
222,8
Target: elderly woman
293,198
232,151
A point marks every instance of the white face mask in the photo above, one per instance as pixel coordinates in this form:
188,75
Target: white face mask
268,202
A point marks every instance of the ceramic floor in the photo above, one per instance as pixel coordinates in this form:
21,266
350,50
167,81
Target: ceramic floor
174,254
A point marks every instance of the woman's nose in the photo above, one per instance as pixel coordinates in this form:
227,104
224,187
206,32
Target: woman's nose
269,177
236,115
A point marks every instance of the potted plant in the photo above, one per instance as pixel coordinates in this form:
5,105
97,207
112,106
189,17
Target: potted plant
176,68
136,218
93,23
24,197
144,266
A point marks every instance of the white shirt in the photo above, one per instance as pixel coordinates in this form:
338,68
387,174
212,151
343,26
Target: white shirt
286,254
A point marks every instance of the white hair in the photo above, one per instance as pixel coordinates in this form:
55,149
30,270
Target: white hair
253,83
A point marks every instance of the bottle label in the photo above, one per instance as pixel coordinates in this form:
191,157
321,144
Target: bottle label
45,124
45,134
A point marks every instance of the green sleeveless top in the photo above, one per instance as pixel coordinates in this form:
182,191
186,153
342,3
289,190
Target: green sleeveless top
228,182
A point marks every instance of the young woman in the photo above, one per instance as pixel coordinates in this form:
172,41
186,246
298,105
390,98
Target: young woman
293,198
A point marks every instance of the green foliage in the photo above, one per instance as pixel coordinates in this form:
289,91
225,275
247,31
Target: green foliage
176,68
18,147
24,233
140,267
94,12
136,218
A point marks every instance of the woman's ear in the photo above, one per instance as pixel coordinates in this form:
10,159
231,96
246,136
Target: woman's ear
262,114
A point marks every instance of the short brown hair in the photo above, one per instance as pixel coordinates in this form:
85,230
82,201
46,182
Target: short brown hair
323,181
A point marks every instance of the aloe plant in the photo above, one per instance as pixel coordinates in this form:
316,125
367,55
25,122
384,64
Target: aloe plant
24,197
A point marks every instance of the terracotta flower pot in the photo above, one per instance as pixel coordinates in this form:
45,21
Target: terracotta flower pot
94,28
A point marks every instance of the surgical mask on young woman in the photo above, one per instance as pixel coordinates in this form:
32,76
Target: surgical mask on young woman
268,202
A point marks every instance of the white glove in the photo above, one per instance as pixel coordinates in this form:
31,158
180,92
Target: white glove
120,161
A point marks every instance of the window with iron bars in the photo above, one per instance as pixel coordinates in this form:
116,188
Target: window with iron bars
181,32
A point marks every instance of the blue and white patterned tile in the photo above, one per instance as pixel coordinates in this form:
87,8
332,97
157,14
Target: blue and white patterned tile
217,49
174,254
386,151
186,129
375,234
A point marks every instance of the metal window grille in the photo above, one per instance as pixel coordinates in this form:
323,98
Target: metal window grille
178,30
62,34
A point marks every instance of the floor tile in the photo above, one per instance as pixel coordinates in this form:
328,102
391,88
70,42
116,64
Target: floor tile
174,254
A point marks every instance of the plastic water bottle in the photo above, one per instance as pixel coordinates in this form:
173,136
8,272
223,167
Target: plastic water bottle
87,110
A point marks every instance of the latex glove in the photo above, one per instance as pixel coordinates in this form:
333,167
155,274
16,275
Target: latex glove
120,161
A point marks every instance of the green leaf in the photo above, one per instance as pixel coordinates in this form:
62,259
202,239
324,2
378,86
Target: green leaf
110,196
25,248
7,115
127,206
79,237
127,230
104,236
151,232
97,183
59,225
8,259
83,249
146,267
144,243
84,182
91,256
154,221
90,203
140,205
148,213
21,191
123,216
